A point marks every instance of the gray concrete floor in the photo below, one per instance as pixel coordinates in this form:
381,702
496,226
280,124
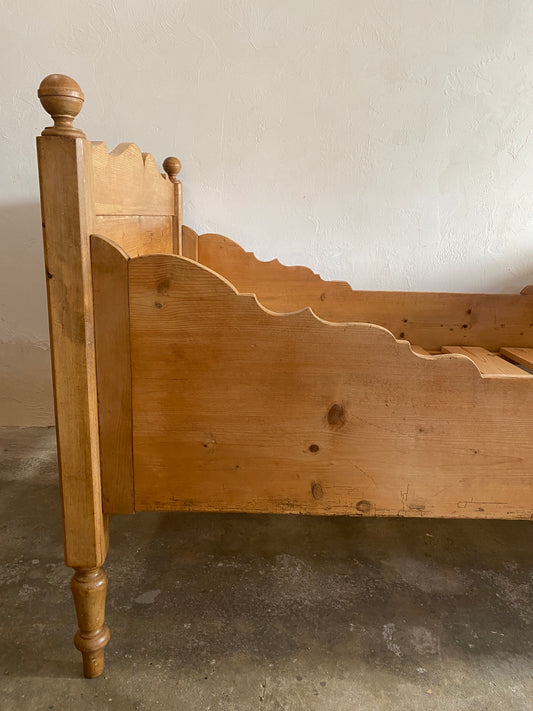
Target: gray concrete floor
247,612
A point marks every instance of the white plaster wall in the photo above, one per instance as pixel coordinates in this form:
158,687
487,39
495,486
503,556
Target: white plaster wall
385,142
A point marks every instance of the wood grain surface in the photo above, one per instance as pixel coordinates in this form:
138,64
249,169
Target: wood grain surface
427,319
239,409
113,373
65,173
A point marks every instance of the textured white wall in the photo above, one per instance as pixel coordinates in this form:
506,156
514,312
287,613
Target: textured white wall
385,142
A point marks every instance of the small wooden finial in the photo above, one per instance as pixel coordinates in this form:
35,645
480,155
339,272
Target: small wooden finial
172,167
62,98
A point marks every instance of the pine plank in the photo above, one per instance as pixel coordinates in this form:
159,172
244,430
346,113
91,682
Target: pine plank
427,319
488,363
128,182
239,409
137,234
112,342
522,356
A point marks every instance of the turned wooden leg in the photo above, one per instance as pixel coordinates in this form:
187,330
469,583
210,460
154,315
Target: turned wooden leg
89,587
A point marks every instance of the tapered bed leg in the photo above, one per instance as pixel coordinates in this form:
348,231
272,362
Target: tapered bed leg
89,587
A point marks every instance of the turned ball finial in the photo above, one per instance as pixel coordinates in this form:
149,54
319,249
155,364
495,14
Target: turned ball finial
62,98
172,167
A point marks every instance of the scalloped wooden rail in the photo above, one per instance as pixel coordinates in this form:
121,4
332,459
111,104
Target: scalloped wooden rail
279,287
237,409
128,182
427,319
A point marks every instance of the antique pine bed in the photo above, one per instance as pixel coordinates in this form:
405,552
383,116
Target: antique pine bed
189,376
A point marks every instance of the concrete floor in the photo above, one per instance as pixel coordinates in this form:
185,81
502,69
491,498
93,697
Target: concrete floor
280,613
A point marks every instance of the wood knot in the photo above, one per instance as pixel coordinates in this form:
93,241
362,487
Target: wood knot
314,448
316,490
336,415
363,506
163,286
62,98
209,443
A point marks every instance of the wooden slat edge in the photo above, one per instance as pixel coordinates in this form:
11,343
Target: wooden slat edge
489,364
522,356
113,373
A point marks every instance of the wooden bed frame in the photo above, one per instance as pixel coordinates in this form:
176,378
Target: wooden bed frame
189,376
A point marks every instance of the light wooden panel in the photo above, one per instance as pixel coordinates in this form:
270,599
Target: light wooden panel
66,180
278,287
239,409
427,319
523,356
128,182
112,340
138,235
189,243
488,363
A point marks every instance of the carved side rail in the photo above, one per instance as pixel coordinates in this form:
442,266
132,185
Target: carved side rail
429,320
237,408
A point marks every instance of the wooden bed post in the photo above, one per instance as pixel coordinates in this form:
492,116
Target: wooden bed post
172,167
65,174
185,240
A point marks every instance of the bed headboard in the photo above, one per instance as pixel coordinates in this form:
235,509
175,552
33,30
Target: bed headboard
125,196
87,190
133,204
